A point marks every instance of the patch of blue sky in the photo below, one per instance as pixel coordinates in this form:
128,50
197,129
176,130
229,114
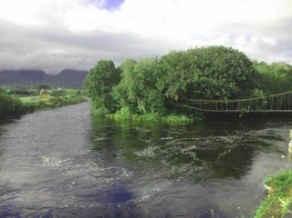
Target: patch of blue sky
113,4
107,4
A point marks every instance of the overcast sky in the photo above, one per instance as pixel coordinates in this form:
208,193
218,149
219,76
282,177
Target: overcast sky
52,35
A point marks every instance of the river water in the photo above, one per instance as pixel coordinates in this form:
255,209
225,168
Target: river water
66,163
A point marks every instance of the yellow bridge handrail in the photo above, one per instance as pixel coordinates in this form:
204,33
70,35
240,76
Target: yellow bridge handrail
280,102
237,100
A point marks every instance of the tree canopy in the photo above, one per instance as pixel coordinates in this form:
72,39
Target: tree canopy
99,84
272,78
155,85
214,72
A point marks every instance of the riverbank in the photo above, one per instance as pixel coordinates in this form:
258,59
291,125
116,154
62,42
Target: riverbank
278,202
67,97
13,106
126,115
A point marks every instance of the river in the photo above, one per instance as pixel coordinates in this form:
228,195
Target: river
67,163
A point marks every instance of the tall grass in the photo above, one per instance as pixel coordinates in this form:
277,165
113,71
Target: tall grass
278,202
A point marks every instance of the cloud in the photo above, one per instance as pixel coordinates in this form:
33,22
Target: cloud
53,35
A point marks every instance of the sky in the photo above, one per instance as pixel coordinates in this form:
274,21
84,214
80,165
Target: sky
53,35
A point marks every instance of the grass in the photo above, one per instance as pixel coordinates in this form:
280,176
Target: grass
125,115
278,202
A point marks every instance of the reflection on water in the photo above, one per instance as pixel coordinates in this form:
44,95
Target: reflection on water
214,168
66,163
179,151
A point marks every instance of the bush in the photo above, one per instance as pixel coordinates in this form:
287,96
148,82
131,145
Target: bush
10,106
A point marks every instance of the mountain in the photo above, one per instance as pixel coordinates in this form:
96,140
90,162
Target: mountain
22,76
66,78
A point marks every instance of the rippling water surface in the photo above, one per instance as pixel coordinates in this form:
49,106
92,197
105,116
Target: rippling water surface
66,163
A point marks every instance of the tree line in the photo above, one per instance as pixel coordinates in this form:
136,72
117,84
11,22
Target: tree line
155,85
12,106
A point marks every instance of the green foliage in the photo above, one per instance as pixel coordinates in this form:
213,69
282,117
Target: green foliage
125,114
99,84
138,89
173,118
272,78
56,92
56,98
157,85
13,106
177,74
279,200
10,106
20,92
214,72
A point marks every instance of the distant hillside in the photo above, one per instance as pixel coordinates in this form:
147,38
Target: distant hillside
22,76
66,78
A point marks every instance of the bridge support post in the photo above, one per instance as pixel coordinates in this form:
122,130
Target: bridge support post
290,147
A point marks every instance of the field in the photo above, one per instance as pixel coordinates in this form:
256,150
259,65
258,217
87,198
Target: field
52,99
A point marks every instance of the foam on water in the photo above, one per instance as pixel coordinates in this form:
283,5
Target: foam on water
54,162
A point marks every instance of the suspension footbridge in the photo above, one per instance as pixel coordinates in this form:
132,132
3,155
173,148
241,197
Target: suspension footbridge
281,102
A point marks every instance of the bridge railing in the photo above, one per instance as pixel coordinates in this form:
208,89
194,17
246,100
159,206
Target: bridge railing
281,102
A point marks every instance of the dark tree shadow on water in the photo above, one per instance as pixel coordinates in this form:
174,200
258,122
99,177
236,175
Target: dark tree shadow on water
120,203
116,201
8,210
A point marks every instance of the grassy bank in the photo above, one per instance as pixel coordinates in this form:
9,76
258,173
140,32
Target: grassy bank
51,100
126,115
278,202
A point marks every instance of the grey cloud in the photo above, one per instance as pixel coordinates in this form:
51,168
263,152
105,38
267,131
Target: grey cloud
108,43
268,42
54,48
42,61
280,32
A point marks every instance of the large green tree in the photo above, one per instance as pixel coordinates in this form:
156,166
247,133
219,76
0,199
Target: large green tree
213,72
99,84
